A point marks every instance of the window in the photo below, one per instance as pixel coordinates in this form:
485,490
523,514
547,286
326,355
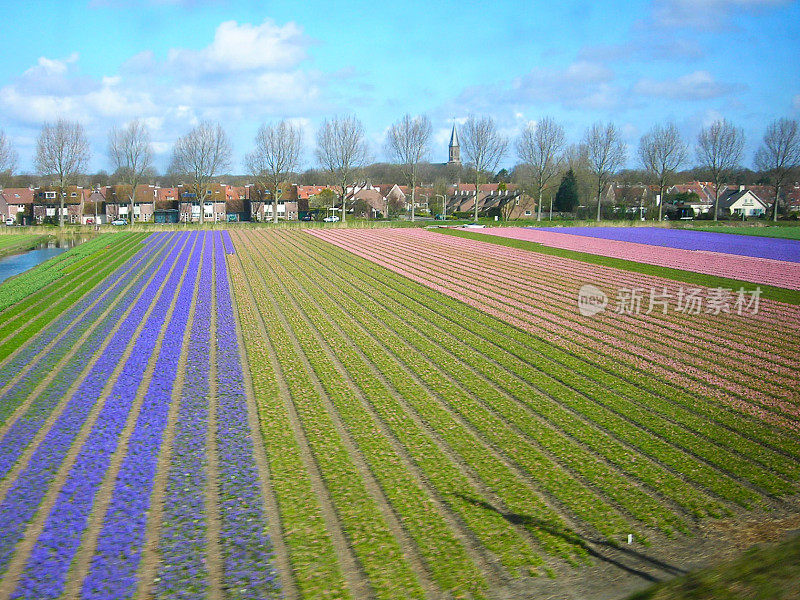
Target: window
527,213
50,195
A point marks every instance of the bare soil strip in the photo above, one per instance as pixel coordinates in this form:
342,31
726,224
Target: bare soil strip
35,527
354,575
281,556
83,557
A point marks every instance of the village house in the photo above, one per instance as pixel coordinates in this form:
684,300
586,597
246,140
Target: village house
47,204
16,203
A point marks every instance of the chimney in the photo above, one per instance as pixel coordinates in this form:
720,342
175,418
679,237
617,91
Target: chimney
741,188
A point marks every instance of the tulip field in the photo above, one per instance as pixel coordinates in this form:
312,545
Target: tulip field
372,413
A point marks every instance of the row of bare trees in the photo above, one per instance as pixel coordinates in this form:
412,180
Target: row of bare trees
341,151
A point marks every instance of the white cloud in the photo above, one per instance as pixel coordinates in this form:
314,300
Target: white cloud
245,47
699,85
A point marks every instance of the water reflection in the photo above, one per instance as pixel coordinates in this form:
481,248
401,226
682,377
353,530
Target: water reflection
19,263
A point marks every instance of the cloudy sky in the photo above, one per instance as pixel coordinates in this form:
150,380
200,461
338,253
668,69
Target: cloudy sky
176,62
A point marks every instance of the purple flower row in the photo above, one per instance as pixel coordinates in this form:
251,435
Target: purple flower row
247,550
711,241
182,545
107,289
25,428
228,242
113,569
26,493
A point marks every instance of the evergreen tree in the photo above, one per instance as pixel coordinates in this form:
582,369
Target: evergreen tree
567,195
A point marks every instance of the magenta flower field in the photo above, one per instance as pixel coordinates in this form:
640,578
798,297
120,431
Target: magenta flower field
756,269
381,413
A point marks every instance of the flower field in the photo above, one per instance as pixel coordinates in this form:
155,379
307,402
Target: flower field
758,247
707,257
372,414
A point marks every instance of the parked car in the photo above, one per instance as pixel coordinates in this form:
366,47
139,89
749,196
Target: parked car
306,217
10,222
331,219
119,222
473,226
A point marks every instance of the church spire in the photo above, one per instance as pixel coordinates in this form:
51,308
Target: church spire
455,149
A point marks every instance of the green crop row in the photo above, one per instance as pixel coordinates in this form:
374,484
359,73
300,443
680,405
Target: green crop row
373,543
68,286
311,552
444,554
715,419
585,504
492,528
475,285
81,286
517,377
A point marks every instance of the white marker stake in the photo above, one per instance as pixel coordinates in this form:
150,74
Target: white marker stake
630,538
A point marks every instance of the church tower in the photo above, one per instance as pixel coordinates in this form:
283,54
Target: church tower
455,149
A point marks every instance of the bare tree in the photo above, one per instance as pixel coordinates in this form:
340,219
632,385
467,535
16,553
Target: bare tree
276,157
408,142
131,156
8,157
62,152
719,149
341,151
662,151
606,154
483,147
779,154
202,154
540,147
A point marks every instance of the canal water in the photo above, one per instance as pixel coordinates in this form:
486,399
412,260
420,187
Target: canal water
19,263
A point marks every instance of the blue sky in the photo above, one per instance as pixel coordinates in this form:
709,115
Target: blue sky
174,63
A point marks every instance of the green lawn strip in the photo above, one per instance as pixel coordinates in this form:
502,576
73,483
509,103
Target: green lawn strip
576,371
550,476
480,287
767,571
60,287
54,310
17,288
767,291
311,551
444,554
375,546
518,379
786,232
